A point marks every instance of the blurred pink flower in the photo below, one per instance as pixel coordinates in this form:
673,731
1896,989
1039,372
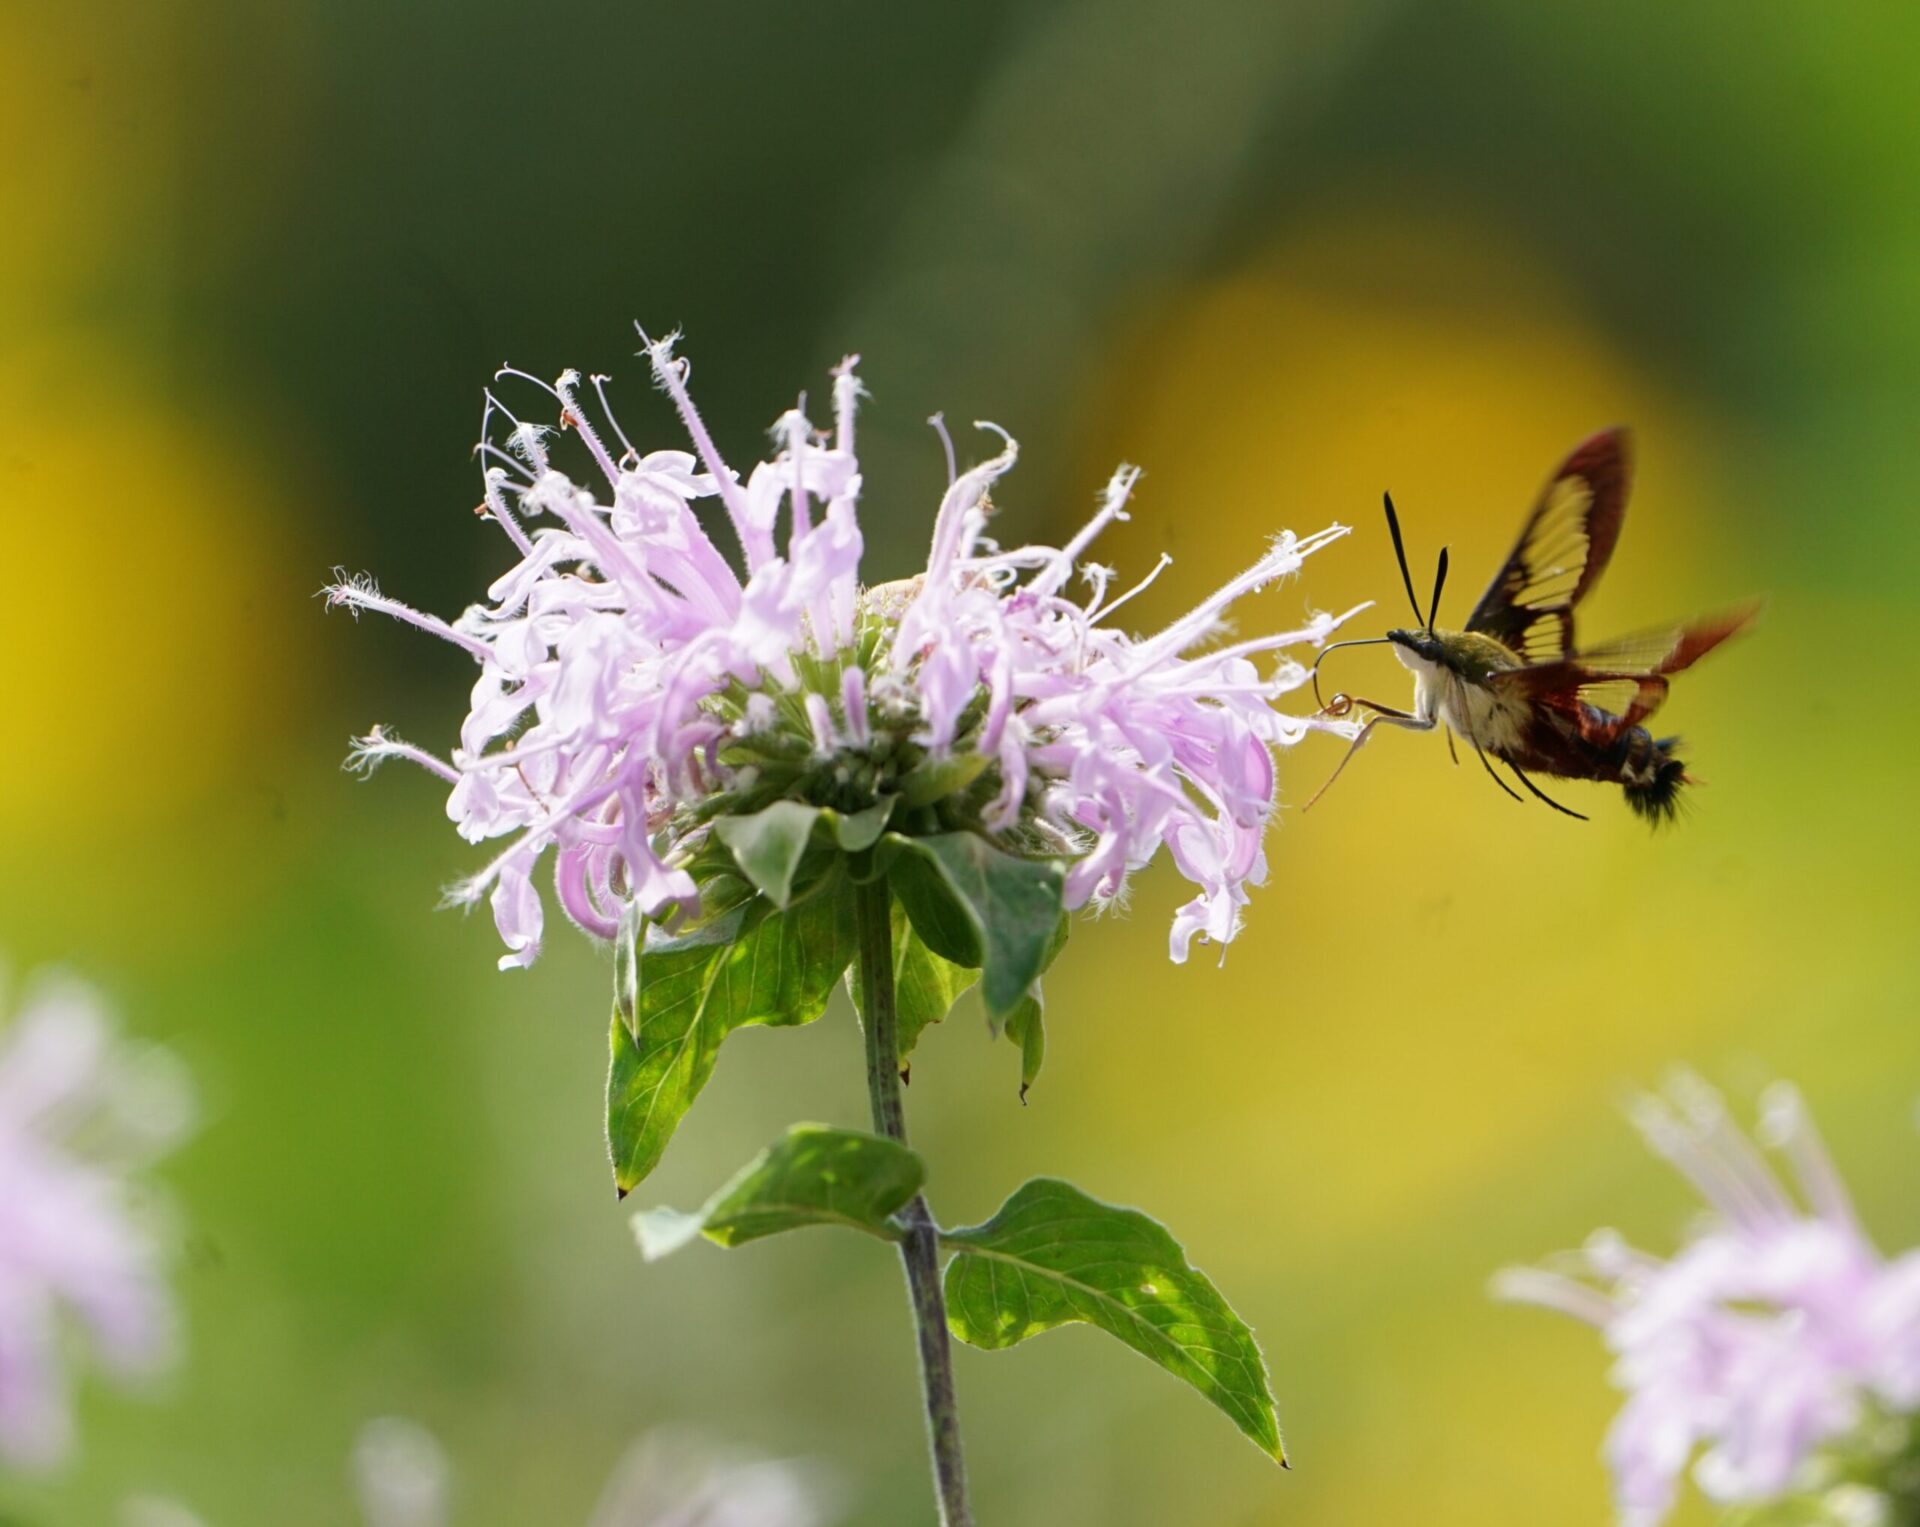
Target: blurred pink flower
626,669
79,1114
1777,1329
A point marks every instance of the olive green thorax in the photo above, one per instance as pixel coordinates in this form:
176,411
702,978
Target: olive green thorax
1470,654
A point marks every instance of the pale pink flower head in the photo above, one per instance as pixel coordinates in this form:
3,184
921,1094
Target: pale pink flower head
81,1269
635,680
1777,1331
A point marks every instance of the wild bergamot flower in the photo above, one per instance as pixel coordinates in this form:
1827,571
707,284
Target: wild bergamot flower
760,775
1778,1344
635,682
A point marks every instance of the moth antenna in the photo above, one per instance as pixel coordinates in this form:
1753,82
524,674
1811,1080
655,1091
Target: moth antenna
1400,551
1439,582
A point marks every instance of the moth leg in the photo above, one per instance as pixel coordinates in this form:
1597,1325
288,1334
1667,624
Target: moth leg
1451,751
1386,710
1577,816
1386,717
1483,757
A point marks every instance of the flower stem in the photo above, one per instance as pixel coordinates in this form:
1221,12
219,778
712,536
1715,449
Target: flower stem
920,1250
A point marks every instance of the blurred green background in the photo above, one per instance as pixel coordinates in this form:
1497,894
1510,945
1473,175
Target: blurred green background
256,264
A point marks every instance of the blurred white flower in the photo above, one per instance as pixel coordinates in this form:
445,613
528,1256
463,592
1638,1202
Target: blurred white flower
80,1115
153,1511
401,1475
668,1479
1776,1331
677,1479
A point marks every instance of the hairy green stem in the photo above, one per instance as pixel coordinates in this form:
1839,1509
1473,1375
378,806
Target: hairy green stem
920,1250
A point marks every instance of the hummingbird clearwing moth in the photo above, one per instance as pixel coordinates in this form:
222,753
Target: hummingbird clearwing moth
1515,684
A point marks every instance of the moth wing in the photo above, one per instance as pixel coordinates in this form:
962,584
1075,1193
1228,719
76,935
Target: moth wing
1564,546
1603,704
1619,684
1670,649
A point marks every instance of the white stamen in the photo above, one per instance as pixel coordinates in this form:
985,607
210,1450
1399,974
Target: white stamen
606,408
1113,506
1103,611
939,423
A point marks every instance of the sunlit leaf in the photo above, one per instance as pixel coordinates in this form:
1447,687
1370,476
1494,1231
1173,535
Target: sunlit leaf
769,845
1052,1256
813,1175
754,964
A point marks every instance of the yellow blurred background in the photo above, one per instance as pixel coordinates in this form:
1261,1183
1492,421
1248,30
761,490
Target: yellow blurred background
255,267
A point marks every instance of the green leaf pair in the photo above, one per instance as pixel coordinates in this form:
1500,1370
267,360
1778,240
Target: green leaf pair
1050,1257
979,907
775,933
966,913
771,845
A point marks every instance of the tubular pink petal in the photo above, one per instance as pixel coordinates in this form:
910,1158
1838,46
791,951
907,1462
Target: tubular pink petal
961,499
493,494
362,595
670,373
853,706
367,754
847,393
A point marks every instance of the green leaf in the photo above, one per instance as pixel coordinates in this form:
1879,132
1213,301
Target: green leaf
772,846
925,986
1052,1255
934,779
812,1175
1025,1024
938,914
974,904
755,964
856,833
768,845
1026,1027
